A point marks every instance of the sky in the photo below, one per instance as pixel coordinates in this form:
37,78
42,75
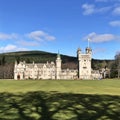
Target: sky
61,25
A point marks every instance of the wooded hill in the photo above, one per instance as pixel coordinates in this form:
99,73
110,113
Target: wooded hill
7,61
36,56
43,57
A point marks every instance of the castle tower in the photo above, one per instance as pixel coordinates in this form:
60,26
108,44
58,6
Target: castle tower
84,62
58,66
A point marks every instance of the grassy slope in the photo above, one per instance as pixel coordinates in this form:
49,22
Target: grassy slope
85,87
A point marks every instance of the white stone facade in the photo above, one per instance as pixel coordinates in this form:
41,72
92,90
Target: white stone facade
54,71
43,71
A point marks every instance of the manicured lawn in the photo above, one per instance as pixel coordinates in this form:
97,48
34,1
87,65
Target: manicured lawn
110,87
60,100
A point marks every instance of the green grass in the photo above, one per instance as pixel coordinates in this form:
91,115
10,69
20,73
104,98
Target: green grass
110,87
60,99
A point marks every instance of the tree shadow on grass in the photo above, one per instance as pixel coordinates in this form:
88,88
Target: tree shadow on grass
58,106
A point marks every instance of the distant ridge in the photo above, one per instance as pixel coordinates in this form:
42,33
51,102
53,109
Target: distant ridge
43,56
36,56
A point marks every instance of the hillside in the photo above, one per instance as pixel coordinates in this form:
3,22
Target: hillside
42,57
37,57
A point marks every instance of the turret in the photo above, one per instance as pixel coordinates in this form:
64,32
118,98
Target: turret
88,50
78,53
58,66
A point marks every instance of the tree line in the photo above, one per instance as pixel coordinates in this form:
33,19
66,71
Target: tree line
115,67
6,70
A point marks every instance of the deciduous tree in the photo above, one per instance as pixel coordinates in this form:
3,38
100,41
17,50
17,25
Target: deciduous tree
117,61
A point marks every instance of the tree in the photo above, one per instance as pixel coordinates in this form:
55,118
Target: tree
3,60
113,70
115,66
17,58
117,61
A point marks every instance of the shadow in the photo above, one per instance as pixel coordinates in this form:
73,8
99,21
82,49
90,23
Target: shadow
40,105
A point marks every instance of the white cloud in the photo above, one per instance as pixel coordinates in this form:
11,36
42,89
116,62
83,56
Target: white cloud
31,39
91,9
97,38
50,38
4,36
40,36
101,0
107,0
103,9
10,48
116,11
113,7
35,35
115,23
27,43
88,9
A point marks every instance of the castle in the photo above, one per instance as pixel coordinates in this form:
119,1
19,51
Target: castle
23,70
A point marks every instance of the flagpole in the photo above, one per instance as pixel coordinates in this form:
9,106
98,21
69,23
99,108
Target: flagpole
88,43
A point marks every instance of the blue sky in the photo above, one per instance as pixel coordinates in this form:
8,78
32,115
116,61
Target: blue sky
64,25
